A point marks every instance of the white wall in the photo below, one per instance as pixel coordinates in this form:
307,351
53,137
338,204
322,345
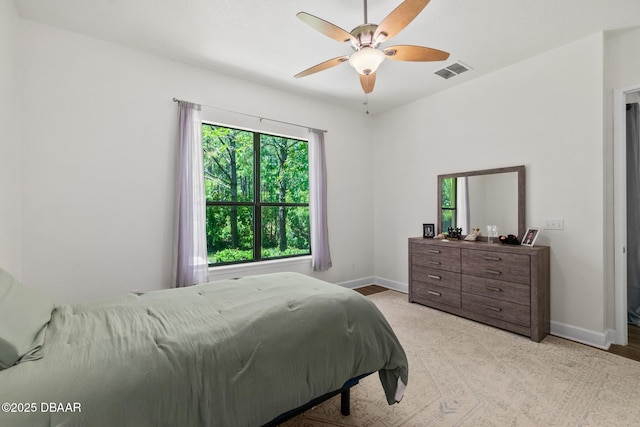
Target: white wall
98,171
538,113
9,142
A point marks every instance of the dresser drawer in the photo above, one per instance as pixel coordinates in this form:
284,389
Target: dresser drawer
497,289
503,310
427,292
496,265
436,256
446,279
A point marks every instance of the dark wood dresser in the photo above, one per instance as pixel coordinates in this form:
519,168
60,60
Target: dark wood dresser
506,286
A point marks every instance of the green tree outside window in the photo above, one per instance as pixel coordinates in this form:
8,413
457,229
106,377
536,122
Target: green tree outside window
257,193
448,203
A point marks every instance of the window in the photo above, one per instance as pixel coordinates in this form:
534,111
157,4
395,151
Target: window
448,203
257,193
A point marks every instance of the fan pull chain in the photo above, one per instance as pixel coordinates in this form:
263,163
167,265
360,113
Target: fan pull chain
366,102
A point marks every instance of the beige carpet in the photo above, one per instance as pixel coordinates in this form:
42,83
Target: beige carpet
463,373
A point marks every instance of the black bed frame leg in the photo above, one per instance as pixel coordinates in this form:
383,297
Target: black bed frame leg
345,402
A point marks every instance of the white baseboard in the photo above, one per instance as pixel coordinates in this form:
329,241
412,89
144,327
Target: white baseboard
584,336
392,284
610,336
358,283
570,332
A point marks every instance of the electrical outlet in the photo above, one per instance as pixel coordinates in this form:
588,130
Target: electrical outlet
554,224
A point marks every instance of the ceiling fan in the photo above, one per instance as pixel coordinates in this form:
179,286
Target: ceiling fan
366,38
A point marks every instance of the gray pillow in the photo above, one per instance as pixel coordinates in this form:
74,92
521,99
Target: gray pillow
24,315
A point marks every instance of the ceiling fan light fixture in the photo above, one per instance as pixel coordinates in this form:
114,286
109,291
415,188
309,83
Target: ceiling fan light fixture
366,38
366,60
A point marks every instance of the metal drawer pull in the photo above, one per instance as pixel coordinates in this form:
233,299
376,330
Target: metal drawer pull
492,288
488,307
433,276
493,258
434,293
435,262
434,251
493,272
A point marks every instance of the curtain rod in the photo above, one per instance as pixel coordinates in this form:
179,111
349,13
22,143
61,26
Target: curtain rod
255,117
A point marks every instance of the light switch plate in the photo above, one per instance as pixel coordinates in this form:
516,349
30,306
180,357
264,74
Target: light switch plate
554,224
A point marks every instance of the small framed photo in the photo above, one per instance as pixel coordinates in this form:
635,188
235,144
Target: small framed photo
530,236
428,230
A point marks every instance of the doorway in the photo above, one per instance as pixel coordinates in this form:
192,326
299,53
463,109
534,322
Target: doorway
621,209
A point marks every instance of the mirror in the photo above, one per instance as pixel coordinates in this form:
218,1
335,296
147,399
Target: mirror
480,198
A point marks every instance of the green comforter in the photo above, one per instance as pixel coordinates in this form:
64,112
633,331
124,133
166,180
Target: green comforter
229,353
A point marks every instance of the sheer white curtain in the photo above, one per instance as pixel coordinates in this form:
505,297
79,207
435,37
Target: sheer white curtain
190,245
462,204
320,256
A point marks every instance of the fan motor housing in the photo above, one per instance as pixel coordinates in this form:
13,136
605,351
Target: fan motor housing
363,35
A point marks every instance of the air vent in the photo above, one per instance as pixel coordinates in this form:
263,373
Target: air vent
452,70
445,73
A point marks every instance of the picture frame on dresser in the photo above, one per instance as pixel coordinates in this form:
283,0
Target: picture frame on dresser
428,231
530,236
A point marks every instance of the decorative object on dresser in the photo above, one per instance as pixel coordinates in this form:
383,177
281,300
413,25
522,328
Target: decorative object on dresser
530,236
473,235
492,233
509,240
454,233
504,286
428,230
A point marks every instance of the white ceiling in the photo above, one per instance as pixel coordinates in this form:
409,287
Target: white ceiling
263,41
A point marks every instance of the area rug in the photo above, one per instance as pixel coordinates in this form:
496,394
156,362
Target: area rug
463,373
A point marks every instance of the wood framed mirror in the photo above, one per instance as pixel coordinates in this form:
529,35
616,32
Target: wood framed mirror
480,198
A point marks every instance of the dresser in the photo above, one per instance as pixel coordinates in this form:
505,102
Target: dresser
506,286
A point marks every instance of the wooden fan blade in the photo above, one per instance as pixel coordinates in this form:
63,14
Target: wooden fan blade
322,66
399,18
368,82
325,27
415,53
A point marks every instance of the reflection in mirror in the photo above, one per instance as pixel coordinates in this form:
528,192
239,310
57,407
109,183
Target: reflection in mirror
481,198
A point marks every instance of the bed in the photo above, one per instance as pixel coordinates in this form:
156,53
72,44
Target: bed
244,352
